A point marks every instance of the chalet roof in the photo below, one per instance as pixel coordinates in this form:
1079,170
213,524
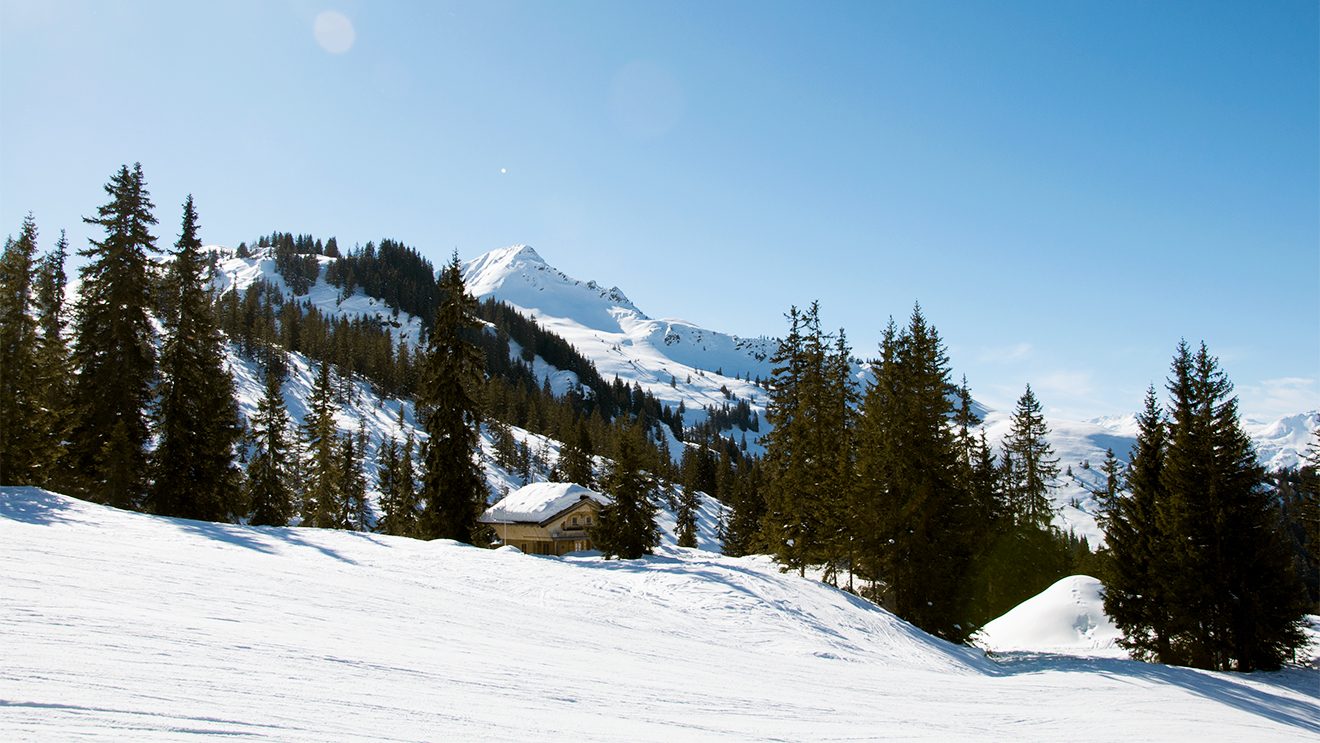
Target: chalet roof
539,503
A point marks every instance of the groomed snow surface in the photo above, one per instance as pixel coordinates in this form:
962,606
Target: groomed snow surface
121,626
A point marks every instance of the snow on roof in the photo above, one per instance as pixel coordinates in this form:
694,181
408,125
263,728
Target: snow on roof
539,501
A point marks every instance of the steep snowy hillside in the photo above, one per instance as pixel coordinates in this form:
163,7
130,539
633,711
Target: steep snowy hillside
1080,447
674,360
234,272
361,409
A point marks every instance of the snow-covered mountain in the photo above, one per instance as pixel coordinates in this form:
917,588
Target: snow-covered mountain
672,359
1281,443
1080,447
607,328
677,361
124,626
362,408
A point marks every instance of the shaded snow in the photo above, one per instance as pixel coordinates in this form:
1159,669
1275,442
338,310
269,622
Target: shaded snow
122,626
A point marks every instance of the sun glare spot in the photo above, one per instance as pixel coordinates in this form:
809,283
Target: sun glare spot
333,31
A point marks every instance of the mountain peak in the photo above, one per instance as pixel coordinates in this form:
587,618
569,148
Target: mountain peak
525,253
520,276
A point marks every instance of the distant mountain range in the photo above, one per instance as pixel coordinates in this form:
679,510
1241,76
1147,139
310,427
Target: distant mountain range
679,362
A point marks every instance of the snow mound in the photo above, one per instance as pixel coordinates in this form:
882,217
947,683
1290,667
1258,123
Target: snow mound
1067,617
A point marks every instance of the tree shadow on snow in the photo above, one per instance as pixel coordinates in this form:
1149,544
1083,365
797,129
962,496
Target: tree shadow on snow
266,539
1228,689
35,506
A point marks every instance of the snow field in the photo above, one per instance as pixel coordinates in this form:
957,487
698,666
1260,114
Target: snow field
117,625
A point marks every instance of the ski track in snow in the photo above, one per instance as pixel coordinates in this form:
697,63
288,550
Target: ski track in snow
115,625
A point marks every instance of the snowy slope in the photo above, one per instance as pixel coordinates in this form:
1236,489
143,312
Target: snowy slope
674,360
361,408
233,272
122,626
1068,617
1080,447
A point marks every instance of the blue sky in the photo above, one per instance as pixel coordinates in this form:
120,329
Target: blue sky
1067,188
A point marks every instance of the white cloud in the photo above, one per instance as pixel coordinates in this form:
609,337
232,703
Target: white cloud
1275,398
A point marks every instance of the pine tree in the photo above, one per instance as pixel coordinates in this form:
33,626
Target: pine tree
113,350
965,420
1134,596
20,394
689,503
55,384
574,463
1108,495
269,492
387,484
453,484
626,527
835,440
1033,468
320,493
809,451
406,513
1233,600
879,437
782,527
1304,511
506,446
741,528
351,483
197,417
919,528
